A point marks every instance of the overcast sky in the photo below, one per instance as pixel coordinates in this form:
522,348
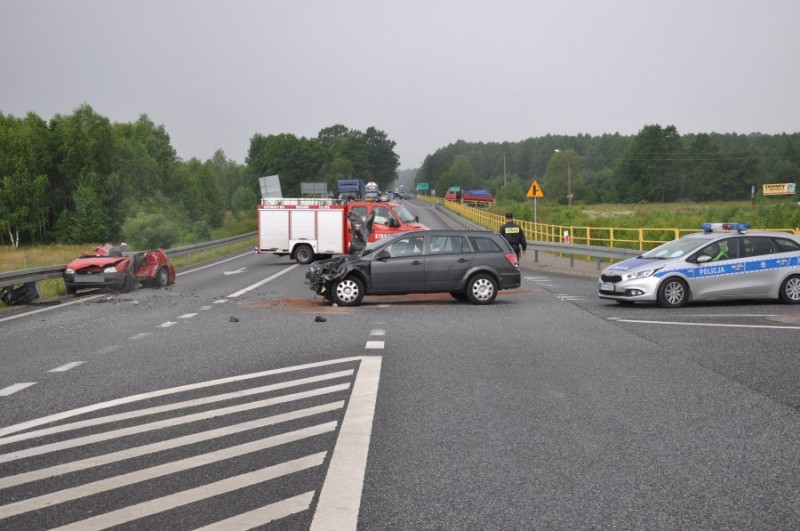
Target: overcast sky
425,72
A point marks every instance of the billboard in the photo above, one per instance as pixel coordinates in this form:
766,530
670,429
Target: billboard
778,189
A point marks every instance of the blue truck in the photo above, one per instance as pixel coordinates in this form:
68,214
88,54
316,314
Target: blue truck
351,189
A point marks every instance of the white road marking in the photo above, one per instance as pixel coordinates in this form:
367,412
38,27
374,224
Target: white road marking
264,515
187,316
141,335
220,301
377,332
165,503
167,324
340,498
165,392
170,444
375,345
262,282
248,253
718,325
204,308
83,298
167,423
67,366
128,415
11,389
131,478
240,270
538,279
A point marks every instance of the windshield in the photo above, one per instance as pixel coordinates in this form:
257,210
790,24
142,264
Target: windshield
674,249
404,215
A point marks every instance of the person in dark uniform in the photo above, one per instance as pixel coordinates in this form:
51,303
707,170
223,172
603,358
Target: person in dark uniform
514,235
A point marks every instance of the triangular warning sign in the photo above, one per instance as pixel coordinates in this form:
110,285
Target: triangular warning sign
535,191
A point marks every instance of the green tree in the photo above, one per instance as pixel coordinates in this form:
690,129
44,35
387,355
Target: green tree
650,167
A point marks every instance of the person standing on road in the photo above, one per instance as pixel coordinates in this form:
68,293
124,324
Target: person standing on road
514,235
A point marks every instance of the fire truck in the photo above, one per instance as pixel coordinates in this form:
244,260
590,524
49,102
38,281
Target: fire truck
307,229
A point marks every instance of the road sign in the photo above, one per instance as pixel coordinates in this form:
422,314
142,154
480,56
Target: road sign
535,191
422,186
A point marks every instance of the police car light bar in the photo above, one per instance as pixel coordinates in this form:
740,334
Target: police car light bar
711,227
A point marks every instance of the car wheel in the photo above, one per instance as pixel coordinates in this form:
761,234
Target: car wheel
673,293
458,295
790,290
128,284
303,254
348,292
162,278
481,289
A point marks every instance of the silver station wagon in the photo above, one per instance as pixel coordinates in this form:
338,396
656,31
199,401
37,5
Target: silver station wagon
723,262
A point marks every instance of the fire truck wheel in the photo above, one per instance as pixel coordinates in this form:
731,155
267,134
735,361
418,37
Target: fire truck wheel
304,254
348,292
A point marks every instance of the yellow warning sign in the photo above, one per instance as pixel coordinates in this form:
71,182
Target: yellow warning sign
535,191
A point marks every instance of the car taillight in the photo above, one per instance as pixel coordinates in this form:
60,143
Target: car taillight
512,257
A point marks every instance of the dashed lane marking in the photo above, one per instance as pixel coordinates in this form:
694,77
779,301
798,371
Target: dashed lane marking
262,282
67,366
374,345
167,324
15,388
187,316
140,335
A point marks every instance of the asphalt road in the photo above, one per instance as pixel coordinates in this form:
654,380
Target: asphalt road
230,400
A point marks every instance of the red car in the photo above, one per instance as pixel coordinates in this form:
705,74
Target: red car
119,268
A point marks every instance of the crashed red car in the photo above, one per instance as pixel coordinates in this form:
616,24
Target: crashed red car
119,268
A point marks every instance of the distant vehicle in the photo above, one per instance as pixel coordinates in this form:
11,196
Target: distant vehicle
453,194
709,266
470,265
351,189
308,229
119,268
477,196
372,192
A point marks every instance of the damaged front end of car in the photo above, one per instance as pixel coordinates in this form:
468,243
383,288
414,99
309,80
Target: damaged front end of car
323,274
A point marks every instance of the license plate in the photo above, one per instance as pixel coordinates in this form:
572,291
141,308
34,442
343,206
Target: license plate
89,278
606,286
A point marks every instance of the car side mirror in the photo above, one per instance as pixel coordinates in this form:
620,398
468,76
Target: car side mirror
383,254
416,218
392,222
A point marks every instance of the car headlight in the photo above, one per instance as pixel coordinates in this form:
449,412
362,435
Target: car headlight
110,269
633,275
69,271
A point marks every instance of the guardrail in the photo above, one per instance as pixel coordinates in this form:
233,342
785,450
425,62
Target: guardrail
23,276
570,250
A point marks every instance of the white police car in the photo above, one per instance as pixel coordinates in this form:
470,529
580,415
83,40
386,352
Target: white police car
711,265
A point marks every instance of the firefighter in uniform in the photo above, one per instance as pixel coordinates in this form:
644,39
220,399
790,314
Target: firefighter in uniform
514,235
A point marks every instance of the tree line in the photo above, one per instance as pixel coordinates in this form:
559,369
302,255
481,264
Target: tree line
80,178
655,165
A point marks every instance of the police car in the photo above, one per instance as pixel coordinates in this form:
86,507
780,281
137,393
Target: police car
722,262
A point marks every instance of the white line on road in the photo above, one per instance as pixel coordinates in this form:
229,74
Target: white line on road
82,298
171,391
165,503
248,253
185,404
340,498
167,423
718,325
67,366
264,515
374,345
377,332
131,478
167,324
262,282
169,444
140,335
11,389
187,316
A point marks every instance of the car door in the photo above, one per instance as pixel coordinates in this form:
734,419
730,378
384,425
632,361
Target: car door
448,260
722,277
399,267
765,263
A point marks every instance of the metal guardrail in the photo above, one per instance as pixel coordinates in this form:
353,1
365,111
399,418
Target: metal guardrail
571,250
23,276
